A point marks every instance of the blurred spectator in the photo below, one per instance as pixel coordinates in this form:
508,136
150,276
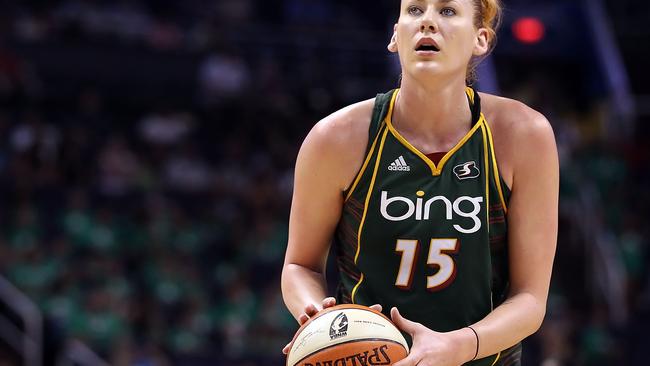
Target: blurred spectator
234,12
186,171
16,76
222,75
166,127
118,168
35,138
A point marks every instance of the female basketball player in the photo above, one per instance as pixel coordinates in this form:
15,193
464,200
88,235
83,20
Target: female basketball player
441,202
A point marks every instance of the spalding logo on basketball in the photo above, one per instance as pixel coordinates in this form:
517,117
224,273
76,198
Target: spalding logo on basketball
347,335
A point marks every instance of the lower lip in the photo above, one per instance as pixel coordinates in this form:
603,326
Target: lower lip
426,53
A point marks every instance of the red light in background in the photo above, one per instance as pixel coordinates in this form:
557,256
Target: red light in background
528,30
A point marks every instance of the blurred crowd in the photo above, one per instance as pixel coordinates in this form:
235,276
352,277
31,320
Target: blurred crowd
154,228
599,301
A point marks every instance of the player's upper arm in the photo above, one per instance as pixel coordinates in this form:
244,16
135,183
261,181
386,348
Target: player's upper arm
533,205
329,158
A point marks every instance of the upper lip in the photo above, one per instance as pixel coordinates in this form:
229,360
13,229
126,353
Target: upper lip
426,41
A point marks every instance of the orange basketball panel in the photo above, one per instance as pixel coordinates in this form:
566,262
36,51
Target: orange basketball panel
357,352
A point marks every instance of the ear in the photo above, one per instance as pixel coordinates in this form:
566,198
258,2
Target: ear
482,44
392,45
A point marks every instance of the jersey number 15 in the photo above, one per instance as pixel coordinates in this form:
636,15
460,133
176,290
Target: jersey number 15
439,250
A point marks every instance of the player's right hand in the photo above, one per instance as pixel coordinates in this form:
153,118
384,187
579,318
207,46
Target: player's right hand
312,309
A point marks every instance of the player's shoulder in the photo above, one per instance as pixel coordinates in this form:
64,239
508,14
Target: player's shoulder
520,133
345,129
346,125
337,143
514,119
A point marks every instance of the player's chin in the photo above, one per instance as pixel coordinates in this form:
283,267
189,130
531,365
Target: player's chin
427,66
423,69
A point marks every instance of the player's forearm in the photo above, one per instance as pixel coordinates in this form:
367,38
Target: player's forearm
517,318
302,286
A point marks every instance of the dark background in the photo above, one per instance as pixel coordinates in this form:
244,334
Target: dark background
147,152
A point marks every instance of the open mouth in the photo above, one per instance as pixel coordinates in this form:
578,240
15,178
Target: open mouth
427,48
426,45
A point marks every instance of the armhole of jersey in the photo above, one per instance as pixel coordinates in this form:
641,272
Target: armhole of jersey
379,111
486,155
496,359
497,176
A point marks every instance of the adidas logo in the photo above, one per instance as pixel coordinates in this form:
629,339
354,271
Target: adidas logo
399,165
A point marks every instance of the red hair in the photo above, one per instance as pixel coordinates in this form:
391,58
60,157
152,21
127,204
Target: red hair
487,14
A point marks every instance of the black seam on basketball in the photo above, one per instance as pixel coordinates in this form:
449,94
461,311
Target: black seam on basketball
350,341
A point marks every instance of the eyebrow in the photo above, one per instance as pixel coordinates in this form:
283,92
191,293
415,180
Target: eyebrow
440,1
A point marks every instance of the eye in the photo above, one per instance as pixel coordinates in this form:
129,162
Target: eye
448,12
414,10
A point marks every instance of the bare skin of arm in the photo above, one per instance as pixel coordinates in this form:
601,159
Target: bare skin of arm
527,143
328,160
528,162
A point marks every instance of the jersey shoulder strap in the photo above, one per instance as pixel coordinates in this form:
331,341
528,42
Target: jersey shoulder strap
474,104
379,112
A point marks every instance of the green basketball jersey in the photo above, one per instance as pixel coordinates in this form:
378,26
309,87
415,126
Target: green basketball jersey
427,238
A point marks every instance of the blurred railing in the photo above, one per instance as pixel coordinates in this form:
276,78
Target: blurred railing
22,330
606,274
615,74
25,335
78,354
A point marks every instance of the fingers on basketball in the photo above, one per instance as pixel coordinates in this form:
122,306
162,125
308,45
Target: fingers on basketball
402,323
328,302
302,319
310,311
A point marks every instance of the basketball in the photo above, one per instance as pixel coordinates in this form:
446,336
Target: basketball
346,335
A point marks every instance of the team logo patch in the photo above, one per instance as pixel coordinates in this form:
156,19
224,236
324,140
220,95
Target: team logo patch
339,326
466,170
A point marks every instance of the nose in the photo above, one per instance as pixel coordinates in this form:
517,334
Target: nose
428,24
427,27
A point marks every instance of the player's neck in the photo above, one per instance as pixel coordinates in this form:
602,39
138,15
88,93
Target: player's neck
438,114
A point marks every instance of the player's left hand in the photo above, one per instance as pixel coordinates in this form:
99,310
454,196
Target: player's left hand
311,310
429,348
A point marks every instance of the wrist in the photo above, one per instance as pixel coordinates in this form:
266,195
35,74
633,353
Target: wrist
465,343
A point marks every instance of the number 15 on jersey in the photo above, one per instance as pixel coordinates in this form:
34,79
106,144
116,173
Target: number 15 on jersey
439,258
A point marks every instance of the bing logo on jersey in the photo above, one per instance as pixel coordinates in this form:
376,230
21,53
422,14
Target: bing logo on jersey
421,209
466,170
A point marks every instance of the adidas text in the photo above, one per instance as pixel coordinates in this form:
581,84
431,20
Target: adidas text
399,168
